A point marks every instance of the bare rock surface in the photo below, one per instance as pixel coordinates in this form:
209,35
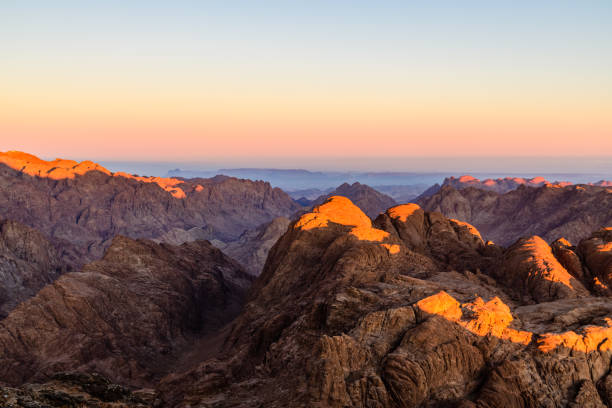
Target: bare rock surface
253,246
128,316
82,206
550,211
371,201
412,310
76,390
27,263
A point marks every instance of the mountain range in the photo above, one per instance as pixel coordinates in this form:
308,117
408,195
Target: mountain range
134,291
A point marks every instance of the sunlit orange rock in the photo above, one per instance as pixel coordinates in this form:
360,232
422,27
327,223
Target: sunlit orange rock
168,184
530,268
59,169
493,318
597,254
392,248
55,170
402,212
490,318
441,304
340,210
593,338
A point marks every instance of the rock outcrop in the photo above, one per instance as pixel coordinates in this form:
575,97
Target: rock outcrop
76,390
411,310
253,246
27,263
371,201
550,211
82,206
128,316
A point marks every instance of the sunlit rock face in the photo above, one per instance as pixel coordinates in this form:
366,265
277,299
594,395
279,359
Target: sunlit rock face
549,211
369,200
410,310
80,207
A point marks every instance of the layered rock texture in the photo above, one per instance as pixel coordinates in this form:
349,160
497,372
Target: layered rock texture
253,246
128,316
371,201
413,309
550,211
27,263
82,206
76,390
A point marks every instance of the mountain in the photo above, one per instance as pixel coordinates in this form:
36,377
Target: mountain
402,193
500,185
413,309
550,211
298,179
371,201
252,248
128,316
82,206
309,193
28,261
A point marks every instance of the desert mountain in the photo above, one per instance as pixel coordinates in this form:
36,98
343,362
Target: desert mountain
82,206
128,316
412,310
548,211
371,201
500,185
27,263
253,246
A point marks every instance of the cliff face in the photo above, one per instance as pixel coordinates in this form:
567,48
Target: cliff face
550,211
128,316
82,206
413,310
27,263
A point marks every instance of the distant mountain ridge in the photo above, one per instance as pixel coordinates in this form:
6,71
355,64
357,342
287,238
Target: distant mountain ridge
501,185
550,211
82,206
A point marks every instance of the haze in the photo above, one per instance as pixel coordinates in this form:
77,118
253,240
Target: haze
200,81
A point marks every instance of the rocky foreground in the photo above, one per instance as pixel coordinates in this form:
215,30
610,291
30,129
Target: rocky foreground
414,310
411,310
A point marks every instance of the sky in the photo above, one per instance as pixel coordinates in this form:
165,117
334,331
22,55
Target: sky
283,82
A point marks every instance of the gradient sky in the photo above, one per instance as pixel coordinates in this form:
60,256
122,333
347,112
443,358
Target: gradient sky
191,80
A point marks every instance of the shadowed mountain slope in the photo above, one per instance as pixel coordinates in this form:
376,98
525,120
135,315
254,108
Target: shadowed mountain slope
82,206
128,316
27,263
549,211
